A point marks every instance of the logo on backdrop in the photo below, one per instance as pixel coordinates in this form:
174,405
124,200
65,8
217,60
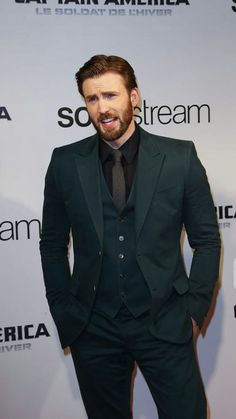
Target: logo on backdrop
20,230
226,214
118,2
234,10
4,114
147,115
16,338
234,271
106,7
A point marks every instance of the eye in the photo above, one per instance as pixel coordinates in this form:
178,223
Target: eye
109,95
91,99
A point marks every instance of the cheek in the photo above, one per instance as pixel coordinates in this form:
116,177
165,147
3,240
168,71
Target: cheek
91,112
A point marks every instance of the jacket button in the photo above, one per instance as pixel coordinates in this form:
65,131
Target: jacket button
121,256
121,238
100,253
121,219
94,288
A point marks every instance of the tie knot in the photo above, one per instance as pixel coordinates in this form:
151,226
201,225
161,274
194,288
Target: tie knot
117,155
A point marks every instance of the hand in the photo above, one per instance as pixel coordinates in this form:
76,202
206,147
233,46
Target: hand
194,323
196,329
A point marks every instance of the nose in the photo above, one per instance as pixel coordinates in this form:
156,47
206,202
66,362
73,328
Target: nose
103,106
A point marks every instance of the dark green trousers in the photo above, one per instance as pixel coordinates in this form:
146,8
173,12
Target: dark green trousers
104,357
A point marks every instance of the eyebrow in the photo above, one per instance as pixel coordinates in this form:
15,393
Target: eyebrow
108,92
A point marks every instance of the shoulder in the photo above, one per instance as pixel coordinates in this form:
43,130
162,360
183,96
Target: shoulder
80,147
166,143
172,147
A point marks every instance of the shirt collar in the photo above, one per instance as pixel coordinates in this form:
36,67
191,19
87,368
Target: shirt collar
129,149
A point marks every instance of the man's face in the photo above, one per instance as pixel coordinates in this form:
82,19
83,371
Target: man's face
110,106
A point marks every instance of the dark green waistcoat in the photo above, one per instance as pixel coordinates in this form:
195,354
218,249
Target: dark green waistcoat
121,280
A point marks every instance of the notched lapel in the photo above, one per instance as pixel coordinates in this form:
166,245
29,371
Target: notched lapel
150,163
87,163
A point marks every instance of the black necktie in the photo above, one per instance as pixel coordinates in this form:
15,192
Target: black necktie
118,181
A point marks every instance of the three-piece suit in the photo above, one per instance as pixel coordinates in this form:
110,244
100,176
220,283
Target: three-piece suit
129,263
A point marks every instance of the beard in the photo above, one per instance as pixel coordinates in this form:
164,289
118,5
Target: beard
114,133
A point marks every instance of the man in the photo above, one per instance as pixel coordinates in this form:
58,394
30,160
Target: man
125,195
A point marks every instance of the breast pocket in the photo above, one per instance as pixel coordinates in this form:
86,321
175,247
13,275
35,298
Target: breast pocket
168,198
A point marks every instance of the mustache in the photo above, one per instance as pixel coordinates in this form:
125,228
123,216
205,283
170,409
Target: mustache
106,115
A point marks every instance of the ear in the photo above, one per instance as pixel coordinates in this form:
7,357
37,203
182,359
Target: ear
134,97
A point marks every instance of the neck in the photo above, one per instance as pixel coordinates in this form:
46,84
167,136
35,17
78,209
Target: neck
120,141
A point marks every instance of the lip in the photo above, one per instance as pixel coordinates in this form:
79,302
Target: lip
108,122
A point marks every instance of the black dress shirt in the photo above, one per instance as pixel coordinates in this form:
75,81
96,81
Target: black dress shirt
129,160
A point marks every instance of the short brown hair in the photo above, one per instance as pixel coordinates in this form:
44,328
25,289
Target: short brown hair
101,64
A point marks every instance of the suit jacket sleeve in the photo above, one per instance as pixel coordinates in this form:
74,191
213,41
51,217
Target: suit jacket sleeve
54,244
200,222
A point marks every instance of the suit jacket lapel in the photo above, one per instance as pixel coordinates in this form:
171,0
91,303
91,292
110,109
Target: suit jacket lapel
150,162
87,162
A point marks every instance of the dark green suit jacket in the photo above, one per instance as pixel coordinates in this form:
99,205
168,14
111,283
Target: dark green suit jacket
172,191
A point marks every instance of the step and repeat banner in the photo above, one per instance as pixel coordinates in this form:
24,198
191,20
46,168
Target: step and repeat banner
184,55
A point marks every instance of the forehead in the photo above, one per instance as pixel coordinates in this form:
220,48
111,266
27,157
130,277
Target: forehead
107,82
